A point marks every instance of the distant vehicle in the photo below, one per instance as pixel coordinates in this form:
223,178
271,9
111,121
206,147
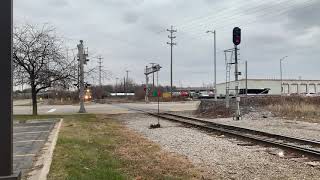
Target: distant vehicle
184,94
255,91
176,94
193,94
311,94
122,94
206,95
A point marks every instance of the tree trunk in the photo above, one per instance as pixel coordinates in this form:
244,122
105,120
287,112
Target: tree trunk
34,100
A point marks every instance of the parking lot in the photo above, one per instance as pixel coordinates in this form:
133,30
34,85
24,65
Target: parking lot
28,140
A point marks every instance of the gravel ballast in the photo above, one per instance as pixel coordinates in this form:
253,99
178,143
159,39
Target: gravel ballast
265,121
222,158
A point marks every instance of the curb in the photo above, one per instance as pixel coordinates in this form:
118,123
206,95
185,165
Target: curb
42,165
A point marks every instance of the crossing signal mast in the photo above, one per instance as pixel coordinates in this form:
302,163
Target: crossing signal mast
150,70
236,38
82,55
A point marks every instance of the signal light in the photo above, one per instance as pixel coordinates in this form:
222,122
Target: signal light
236,36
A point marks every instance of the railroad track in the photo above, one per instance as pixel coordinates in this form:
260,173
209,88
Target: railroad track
301,145
308,147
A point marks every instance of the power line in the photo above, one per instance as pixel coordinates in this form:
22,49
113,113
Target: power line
218,15
265,15
221,20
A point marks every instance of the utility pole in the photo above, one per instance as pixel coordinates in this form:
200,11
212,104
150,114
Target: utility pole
246,63
171,43
281,88
100,70
147,84
158,94
82,60
215,67
127,82
116,89
215,64
124,84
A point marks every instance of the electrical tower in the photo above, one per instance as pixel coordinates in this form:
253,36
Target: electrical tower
171,43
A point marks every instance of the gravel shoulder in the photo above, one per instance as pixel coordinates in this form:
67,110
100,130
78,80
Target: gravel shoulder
220,157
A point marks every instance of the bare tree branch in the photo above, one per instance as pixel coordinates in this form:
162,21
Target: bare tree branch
39,59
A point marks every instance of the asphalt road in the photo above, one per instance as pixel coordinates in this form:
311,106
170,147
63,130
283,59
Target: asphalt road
106,108
28,140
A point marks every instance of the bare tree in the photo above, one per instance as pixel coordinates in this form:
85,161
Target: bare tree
39,60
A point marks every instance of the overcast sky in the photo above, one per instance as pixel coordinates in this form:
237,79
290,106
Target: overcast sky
129,34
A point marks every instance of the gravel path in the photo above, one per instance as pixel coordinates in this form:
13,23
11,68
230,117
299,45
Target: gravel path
221,157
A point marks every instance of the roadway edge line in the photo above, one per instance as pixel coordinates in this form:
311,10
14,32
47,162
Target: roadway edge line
42,165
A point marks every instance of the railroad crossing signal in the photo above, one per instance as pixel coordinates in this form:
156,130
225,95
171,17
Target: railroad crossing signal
236,36
152,69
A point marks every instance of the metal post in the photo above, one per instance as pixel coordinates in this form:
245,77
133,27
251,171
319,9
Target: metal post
6,126
81,61
281,88
237,84
215,67
281,76
227,91
158,96
127,83
124,85
152,64
246,78
214,64
171,68
116,89
147,90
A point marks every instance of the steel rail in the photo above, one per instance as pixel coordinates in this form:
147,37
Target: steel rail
265,139
288,138
249,134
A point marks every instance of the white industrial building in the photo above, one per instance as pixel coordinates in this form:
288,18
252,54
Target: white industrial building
289,86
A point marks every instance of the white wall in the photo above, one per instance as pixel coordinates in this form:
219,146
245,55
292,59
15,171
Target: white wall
289,86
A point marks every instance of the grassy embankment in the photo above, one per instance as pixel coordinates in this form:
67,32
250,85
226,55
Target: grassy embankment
99,147
299,111
296,107
290,107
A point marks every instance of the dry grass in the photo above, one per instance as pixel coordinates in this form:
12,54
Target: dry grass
144,159
98,147
291,107
300,111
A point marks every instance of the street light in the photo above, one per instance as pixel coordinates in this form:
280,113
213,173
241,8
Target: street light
215,65
281,73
